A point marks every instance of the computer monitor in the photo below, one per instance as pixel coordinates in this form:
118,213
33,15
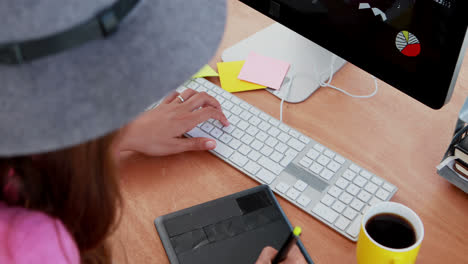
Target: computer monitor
416,46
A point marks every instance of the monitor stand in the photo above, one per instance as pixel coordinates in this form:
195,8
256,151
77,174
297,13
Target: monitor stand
306,59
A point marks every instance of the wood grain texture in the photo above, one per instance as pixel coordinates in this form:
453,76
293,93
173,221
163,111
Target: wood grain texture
390,134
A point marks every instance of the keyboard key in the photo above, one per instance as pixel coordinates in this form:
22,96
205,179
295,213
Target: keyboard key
334,166
281,147
342,183
247,139
245,115
364,196
371,188
284,127
300,185
313,154
270,165
283,137
243,125
273,131
286,160
377,181
366,174
334,191
261,136
316,168
264,116
257,145
225,138
252,167
352,189
346,197
305,162
255,120
327,200
339,159
236,110
235,144
349,213
374,201
388,187
254,155
323,160
304,139
274,122
271,142
219,98
237,133
338,206
360,181
266,150
244,149
357,204
293,193
233,120
329,153
229,129
342,223
252,130
353,229
355,168
264,126
276,156
326,174
192,85
319,147
254,111
245,105
295,144
266,176
282,187
326,213
227,105
294,133
207,127
303,200
382,194
217,124
238,159
349,175
216,132
291,152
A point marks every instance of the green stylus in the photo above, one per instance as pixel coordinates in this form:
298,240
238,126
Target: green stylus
292,239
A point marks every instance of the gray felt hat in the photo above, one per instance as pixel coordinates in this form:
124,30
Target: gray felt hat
84,92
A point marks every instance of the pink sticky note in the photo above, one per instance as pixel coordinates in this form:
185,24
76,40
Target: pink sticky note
263,70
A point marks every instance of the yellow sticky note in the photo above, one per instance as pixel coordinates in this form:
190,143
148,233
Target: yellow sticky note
228,72
206,71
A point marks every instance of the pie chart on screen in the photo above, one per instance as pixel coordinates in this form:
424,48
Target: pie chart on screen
408,44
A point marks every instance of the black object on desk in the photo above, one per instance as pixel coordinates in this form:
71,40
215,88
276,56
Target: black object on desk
233,229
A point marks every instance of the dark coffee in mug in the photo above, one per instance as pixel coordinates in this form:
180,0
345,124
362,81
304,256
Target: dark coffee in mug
391,230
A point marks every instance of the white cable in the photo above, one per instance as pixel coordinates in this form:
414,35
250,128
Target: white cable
326,84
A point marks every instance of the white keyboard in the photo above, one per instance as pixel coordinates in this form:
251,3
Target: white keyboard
316,179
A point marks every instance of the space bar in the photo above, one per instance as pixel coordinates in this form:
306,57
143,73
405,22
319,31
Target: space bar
221,148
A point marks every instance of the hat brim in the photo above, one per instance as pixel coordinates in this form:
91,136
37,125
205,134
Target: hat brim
86,92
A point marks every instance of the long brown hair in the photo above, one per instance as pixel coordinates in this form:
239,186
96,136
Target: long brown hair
76,185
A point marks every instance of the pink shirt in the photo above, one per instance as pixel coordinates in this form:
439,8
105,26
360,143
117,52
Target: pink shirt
31,237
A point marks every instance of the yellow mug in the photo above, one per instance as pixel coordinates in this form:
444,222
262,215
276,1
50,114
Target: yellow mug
368,251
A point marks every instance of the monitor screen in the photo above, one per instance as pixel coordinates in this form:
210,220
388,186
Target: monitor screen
417,46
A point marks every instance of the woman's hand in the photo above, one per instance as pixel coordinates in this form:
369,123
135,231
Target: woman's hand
268,254
159,131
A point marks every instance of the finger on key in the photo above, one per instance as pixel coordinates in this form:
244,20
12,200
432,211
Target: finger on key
204,114
202,100
173,95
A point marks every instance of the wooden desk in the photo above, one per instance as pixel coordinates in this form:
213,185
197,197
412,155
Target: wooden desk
391,134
